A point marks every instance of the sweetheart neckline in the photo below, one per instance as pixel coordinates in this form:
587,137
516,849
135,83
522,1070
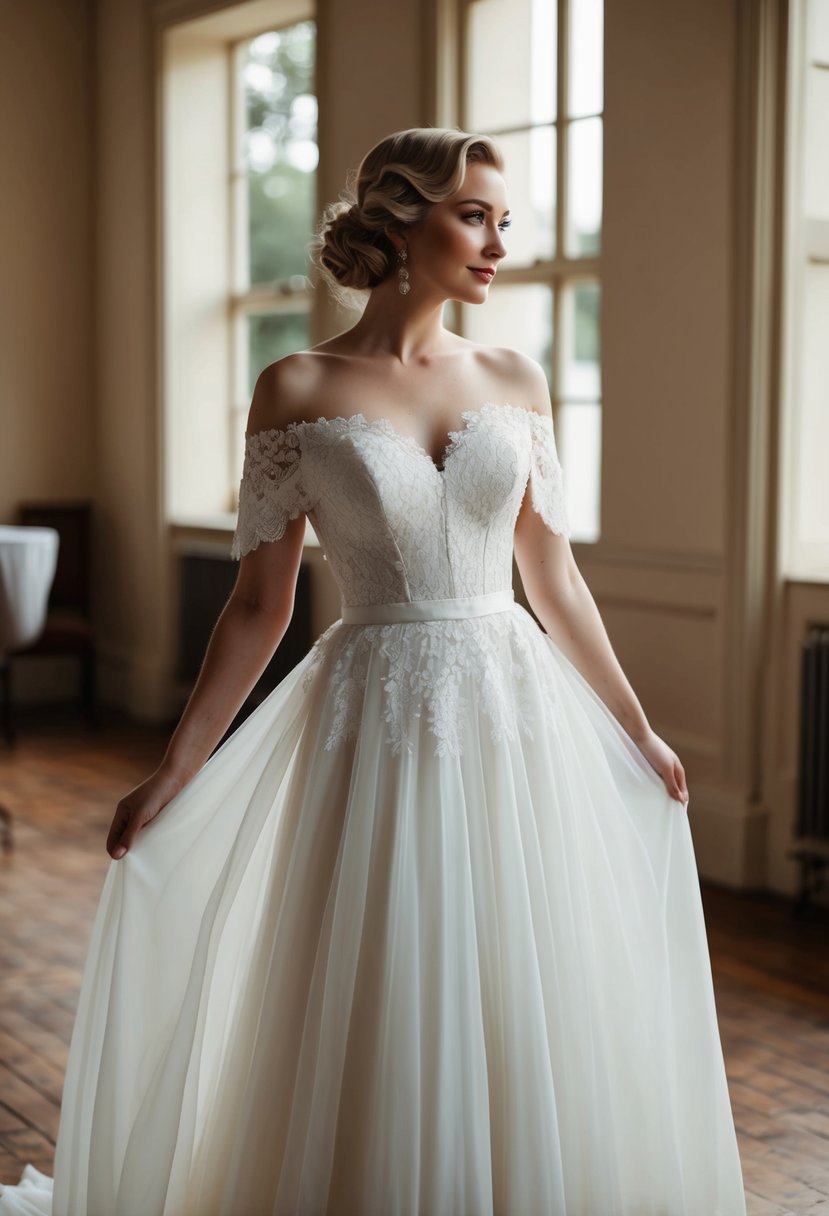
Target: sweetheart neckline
453,438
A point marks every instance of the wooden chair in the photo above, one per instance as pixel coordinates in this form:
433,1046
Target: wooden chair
68,628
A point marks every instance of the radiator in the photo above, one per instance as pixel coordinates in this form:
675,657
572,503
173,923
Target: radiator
813,775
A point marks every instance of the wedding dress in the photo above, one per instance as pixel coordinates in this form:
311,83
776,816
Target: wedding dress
424,936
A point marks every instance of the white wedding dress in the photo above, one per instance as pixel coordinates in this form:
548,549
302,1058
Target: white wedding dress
424,936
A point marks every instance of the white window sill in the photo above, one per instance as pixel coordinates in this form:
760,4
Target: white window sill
807,577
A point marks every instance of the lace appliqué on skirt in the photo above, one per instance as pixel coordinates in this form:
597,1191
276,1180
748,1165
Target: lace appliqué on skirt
442,671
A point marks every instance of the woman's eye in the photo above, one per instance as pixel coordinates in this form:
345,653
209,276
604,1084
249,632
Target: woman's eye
471,215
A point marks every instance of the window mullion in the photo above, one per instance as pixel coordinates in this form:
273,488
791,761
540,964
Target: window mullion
562,87
238,167
237,245
544,270
463,36
266,300
562,171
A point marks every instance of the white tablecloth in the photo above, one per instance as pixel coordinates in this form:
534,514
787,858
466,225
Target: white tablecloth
28,560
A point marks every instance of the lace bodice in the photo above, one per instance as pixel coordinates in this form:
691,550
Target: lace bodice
393,526
395,529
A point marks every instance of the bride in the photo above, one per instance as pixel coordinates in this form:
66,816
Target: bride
424,935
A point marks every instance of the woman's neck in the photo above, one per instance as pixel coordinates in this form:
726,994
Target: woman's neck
407,330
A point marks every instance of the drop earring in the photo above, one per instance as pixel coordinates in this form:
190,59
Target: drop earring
403,284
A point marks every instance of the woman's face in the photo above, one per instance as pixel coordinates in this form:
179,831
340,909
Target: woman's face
458,235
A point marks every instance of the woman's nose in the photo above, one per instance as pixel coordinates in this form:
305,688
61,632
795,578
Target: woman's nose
496,246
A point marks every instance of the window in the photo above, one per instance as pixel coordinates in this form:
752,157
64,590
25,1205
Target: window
806,294
273,202
238,174
532,75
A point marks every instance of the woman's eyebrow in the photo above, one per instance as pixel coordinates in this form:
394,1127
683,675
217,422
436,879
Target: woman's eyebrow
477,200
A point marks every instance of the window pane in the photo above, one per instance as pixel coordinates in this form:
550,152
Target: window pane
812,484
586,57
519,316
816,144
237,452
280,151
579,441
511,63
272,335
530,174
584,196
580,340
818,31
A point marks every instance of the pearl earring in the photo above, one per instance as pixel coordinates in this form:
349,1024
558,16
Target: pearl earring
403,285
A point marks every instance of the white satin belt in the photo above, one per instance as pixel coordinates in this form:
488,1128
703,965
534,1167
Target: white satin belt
428,610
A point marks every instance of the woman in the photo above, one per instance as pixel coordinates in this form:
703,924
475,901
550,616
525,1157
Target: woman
424,935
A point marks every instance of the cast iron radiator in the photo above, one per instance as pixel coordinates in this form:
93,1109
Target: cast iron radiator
812,826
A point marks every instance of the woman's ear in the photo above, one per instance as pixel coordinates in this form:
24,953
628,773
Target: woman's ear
394,235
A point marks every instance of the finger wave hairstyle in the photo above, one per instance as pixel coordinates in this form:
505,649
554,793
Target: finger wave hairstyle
396,184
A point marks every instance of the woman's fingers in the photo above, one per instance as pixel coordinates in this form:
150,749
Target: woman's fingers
681,788
138,808
120,823
127,838
667,764
127,822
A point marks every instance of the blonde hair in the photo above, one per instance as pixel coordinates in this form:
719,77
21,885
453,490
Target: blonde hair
396,184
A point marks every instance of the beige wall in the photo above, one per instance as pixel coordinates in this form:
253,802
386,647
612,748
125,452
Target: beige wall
46,398
667,573
667,273
658,571
133,582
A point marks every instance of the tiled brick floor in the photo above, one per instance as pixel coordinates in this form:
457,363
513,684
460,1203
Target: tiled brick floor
61,784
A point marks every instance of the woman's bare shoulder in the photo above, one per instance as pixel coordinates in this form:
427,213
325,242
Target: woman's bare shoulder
286,391
518,378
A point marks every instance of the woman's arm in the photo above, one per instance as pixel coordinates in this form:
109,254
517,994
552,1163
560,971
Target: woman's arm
562,601
248,631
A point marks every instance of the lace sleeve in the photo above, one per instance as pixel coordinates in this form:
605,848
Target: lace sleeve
546,476
272,490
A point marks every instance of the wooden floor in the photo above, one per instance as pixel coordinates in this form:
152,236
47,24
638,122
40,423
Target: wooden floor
62,783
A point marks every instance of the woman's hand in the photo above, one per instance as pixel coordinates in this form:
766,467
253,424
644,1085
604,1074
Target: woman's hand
666,763
139,807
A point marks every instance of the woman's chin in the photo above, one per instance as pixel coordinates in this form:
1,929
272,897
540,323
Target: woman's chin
475,296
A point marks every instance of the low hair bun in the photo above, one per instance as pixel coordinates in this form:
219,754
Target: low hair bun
356,257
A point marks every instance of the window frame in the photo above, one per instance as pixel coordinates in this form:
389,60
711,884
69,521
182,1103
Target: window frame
563,271
199,304
804,241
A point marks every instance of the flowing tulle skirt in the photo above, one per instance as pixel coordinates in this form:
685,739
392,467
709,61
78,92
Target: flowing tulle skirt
357,981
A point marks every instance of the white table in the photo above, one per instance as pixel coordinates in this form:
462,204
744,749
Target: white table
28,560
